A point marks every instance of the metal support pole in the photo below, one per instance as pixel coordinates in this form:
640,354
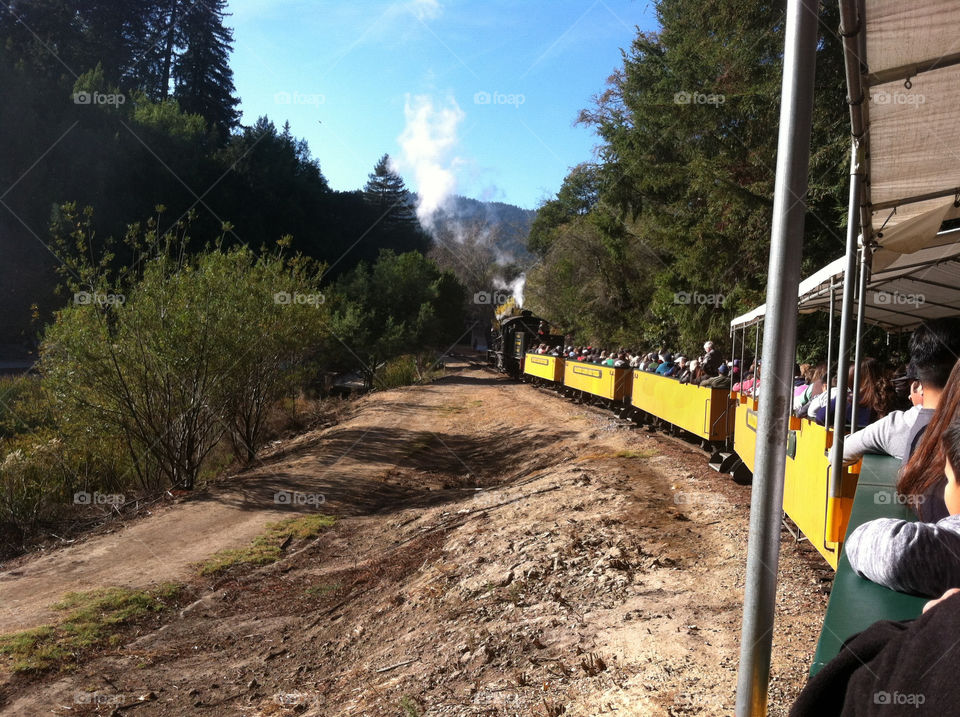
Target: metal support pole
779,349
866,257
846,318
826,421
756,358
743,356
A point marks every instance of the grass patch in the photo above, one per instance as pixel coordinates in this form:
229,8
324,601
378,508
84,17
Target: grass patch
635,454
93,620
265,549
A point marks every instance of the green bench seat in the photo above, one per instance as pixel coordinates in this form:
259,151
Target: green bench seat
856,603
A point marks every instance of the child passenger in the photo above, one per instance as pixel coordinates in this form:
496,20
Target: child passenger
920,558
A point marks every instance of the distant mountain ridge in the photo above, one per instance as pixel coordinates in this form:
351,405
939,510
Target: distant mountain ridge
512,223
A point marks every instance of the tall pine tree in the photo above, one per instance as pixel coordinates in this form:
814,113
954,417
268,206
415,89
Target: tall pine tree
203,80
386,192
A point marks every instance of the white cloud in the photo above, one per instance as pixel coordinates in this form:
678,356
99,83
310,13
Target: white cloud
425,9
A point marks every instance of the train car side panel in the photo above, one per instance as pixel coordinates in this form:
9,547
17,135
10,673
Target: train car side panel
546,367
697,409
603,381
745,430
805,489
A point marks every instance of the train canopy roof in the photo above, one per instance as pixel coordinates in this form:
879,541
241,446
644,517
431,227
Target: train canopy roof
913,287
904,115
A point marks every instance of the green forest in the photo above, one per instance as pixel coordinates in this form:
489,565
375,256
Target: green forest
662,238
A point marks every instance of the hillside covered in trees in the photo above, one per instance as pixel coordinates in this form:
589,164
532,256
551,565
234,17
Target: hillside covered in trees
124,105
662,238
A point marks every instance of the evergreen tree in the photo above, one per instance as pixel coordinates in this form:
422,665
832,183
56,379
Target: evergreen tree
684,186
386,191
201,74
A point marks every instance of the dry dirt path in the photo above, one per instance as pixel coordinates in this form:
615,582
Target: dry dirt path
500,551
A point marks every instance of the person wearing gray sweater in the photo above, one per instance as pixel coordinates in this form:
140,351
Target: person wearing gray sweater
890,435
919,558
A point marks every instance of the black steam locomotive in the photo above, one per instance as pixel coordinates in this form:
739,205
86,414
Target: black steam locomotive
512,336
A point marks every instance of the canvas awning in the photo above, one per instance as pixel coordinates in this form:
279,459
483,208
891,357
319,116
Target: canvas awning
910,83
913,287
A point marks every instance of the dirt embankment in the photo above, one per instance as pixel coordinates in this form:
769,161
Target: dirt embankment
500,552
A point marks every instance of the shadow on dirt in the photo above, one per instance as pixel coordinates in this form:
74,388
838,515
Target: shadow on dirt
419,469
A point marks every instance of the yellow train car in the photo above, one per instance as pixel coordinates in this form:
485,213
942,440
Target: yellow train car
745,429
549,368
806,488
603,381
699,410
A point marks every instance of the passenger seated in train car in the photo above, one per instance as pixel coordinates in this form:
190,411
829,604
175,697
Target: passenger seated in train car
806,377
816,386
621,361
800,372
693,366
892,668
922,481
902,379
934,348
890,434
735,373
875,401
668,367
712,358
915,557
681,366
721,380
751,382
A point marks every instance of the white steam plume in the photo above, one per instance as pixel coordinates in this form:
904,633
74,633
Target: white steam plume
427,143
515,287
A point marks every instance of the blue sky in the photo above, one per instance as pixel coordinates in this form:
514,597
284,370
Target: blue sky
477,98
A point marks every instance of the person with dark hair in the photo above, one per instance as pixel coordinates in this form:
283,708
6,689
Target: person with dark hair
934,349
890,434
922,480
915,557
668,367
876,397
